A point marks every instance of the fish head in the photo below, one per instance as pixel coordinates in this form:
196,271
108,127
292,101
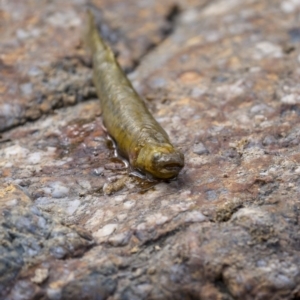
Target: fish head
161,161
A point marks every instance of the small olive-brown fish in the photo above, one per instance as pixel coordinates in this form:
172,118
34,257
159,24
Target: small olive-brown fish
138,136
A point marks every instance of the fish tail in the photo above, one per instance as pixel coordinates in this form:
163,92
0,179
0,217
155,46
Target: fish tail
92,38
94,41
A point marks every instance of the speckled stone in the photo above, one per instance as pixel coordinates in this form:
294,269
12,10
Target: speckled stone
224,83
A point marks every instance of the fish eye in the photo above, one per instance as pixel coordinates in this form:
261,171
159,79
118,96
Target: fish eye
156,155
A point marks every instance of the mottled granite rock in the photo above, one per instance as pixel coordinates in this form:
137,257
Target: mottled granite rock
225,86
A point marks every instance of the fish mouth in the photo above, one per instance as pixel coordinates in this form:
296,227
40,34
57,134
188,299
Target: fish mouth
172,167
169,170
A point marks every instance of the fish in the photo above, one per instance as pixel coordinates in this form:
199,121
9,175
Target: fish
138,136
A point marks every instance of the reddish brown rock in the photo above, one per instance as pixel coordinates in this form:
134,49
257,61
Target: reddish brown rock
224,85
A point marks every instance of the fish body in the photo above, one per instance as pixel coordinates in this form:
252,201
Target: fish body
138,136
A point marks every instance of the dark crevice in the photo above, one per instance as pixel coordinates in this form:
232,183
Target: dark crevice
171,19
161,238
109,34
222,286
166,31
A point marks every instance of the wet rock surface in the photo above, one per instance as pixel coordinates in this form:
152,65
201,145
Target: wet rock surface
223,83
